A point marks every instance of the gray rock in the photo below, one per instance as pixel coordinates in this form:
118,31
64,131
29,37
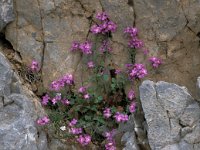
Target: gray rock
6,13
130,141
18,113
198,87
172,116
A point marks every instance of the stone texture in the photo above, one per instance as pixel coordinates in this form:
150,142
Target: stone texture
170,31
45,33
198,87
18,111
6,13
172,115
130,141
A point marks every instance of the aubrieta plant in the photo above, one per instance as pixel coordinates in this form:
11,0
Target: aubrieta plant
92,112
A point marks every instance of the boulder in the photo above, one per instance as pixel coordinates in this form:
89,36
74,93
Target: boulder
172,116
19,110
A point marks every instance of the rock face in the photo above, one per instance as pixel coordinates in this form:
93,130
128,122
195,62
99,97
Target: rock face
18,112
170,30
198,87
172,115
6,13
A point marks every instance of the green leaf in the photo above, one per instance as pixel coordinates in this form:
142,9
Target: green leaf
88,118
105,77
113,109
98,99
113,80
113,86
100,120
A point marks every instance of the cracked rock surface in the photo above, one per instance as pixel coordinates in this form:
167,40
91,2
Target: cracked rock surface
6,13
44,30
172,116
18,112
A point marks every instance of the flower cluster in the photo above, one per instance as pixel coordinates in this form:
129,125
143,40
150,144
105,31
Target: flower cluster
105,46
65,80
85,47
65,102
110,142
119,117
45,99
132,107
131,31
76,130
105,26
83,91
107,113
73,129
134,42
136,71
34,67
84,139
43,121
131,97
102,101
91,64
57,98
156,62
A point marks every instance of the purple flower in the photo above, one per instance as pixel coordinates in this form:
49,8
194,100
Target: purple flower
86,47
82,89
131,94
90,64
76,130
102,16
86,96
110,134
43,121
108,26
84,139
156,62
145,51
131,31
119,117
58,84
138,71
110,145
135,43
68,79
45,99
75,46
73,122
111,26
56,98
95,29
105,46
132,107
65,102
34,66
117,71
55,85
107,113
